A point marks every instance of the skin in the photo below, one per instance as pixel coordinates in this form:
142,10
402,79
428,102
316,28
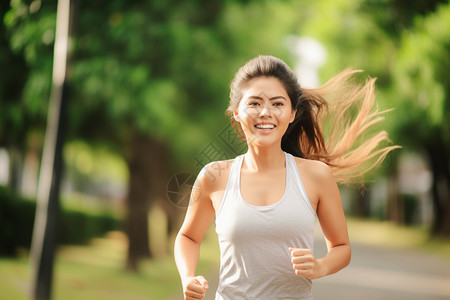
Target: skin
263,181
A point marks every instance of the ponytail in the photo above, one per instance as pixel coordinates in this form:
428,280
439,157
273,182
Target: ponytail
349,110
344,108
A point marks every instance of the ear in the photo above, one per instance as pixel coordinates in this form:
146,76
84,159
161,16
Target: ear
235,115
293,113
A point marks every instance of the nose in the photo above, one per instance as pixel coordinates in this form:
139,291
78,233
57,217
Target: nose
265,111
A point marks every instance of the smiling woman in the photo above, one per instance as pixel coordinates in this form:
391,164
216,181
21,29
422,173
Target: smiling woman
266,201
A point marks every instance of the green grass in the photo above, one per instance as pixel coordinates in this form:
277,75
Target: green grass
97,272
14,278
389,234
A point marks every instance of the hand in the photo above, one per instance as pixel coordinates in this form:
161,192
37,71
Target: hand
195,288
305,264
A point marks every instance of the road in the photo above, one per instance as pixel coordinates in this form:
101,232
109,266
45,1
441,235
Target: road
389,274
378,273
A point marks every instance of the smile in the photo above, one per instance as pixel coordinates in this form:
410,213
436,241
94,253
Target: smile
265,126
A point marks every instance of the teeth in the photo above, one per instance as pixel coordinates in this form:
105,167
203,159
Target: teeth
265,126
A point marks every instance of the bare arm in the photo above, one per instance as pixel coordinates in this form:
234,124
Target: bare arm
334,226
330,213
187,243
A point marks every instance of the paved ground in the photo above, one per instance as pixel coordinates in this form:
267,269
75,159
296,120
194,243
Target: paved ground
378,273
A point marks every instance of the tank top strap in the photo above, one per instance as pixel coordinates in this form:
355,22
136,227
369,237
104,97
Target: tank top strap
232,189
234,177
296,180
290,164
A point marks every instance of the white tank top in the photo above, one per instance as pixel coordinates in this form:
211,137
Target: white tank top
255,262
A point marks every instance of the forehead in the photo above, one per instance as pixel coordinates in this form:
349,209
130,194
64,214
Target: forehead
264,86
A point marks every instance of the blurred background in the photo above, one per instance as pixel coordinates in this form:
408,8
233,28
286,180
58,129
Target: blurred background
147,87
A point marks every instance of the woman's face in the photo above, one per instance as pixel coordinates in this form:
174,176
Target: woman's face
265,111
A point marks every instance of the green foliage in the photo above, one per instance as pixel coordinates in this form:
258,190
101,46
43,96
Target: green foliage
143,66
16,222
78,227
74,226
394,16
11,81
31,34
421,83
94,169
160,69
406,45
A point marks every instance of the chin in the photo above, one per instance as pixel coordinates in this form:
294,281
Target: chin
263,141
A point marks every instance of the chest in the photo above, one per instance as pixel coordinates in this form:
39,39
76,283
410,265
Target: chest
288,220
262,189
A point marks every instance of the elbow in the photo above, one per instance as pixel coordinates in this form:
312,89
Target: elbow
348,256
181,237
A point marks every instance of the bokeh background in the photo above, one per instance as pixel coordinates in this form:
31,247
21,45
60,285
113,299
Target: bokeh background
148,84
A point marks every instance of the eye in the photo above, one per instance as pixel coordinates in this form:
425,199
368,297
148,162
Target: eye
253,103
278,104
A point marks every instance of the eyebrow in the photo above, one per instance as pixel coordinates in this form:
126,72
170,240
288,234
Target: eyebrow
271,99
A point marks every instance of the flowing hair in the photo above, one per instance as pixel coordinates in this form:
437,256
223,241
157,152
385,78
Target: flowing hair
346,106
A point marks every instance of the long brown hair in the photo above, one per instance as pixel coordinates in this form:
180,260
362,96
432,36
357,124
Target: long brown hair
346,150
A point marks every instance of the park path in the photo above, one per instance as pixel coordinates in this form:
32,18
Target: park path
375,273
389,274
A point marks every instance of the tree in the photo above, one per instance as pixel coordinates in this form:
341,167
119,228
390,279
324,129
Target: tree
156,74
405,44
22,117
416,86
148,78
128,67
422,88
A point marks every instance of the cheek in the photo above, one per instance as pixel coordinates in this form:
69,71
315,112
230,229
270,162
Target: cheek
242,111
284,114
247,112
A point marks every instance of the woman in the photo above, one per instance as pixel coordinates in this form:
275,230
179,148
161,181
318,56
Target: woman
266,201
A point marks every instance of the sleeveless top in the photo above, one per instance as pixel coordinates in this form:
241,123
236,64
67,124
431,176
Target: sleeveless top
255,261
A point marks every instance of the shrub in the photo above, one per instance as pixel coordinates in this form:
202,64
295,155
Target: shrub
16,221
74,226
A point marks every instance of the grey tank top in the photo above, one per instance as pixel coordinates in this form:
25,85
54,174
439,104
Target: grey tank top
255,262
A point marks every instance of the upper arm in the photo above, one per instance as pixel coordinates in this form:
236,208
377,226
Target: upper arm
329,208
200,211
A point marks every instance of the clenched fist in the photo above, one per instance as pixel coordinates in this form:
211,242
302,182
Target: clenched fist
305,264
195,288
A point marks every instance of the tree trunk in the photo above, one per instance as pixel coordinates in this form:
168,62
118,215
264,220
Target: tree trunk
395,201
175,216
47,204
15,168
360,203
147,163
439,161
30,172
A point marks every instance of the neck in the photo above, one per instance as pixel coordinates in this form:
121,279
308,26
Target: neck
262,159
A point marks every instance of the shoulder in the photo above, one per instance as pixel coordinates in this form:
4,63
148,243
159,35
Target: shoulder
315,170
214,174
318,180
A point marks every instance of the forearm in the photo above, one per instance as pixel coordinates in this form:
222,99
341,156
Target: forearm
186,253
337,258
